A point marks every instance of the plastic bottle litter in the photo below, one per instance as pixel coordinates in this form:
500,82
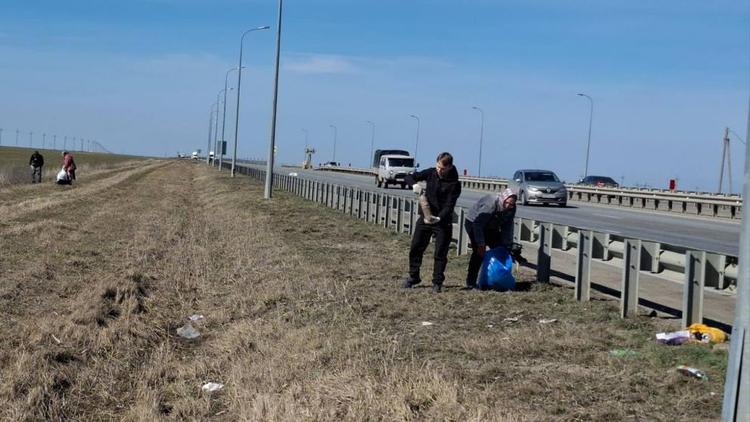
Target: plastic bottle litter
692,372
675,338
187,331
547,321
196,317
421,190
623,353
427,323
210,387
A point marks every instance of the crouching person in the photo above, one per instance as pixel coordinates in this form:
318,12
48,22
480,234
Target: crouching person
442,191
489,223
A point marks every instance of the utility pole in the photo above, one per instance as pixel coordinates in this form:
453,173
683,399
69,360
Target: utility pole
1,136
725,158
17,133
44,139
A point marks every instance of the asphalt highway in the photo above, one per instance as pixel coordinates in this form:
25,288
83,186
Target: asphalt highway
690,232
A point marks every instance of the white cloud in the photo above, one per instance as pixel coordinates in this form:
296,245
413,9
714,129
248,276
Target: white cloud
320,64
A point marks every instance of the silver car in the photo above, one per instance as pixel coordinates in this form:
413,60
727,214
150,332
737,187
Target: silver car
540,187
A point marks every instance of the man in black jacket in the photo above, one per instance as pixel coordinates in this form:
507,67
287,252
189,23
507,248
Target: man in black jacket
36,162
442,191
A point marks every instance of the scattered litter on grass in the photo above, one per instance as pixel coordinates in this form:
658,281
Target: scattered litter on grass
623,353
547,321
187,331
673,339
56,339
196,317
513,319
706,334
427,323
210,387
692,372
490,325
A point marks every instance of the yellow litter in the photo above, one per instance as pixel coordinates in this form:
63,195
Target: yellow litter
707,334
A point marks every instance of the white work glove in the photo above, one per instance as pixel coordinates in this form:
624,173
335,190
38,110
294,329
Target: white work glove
418,188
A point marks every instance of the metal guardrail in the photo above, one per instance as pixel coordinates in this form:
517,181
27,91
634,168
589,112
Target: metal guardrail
686,203
699,269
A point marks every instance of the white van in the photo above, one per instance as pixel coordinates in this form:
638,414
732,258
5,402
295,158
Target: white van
195,155
393,170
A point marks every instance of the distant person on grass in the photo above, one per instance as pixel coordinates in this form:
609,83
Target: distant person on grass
442,191
36,162
69,165
489,223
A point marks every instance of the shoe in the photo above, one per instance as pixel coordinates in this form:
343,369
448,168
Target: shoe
437,288
409,282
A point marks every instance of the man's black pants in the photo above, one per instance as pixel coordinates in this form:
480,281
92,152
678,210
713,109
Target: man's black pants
492,237
422,234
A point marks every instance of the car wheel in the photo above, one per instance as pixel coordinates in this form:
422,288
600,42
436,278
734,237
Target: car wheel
403,186
385,184
522,198
377,182
563,204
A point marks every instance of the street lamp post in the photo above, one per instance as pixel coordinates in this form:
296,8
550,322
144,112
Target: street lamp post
372,140
224,118
54,142
44,139
17,133
416,145
31,139
216,129
588,144
239,91
268,191
481,138
210,129
335,135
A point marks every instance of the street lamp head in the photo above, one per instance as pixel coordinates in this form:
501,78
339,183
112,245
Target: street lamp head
260,28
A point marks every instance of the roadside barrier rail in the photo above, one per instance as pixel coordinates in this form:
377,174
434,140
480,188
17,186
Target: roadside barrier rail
698,269
687,203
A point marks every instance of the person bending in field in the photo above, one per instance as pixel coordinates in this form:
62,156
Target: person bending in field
442,191
489,223
69,165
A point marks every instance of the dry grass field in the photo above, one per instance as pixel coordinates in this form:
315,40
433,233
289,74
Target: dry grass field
14,163
303,318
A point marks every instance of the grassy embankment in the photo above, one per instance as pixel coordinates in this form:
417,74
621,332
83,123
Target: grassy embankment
14,163
303,319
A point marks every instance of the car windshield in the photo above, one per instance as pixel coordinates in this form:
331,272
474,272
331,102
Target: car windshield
541,176
401,162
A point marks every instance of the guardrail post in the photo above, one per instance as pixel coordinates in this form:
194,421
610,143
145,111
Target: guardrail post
399,215
651,252
715,267
695,280
544,255
386,202
559,236
583,267
601,246
378,210
462,236
631,256
527,230
517,230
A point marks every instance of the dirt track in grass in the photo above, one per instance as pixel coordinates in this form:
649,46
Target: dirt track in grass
303,318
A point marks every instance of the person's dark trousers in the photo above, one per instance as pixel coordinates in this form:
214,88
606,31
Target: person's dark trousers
36,175
475,261
422,234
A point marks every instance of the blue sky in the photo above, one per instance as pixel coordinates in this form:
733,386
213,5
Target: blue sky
141,75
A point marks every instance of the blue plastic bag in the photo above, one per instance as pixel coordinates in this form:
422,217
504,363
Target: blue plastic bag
496,272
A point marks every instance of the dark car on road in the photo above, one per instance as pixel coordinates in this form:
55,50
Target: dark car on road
599,182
